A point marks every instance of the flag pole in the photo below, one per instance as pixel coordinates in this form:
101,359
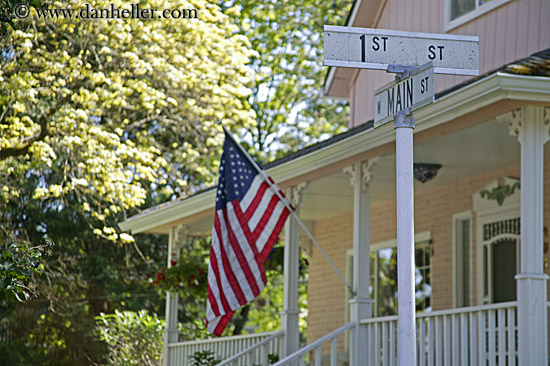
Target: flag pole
276,189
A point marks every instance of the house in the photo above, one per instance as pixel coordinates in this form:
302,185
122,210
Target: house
481,211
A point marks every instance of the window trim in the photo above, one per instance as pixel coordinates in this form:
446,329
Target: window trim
462,216
465,18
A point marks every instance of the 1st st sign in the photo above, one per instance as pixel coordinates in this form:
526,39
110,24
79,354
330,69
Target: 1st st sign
378,48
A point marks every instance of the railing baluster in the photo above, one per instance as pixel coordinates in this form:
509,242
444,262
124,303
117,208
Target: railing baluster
464,346
455,339
265,352
334,352
473,339
447,341
439,340
371,349
492,342
385,343
511,337
393,345
431,346
376,344
482,338
422,342
501,337
318,356
393,348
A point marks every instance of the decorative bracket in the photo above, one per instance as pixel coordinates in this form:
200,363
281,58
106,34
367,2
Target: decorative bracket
367,174
513,119
181,235
296,193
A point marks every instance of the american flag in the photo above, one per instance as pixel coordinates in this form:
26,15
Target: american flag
249,217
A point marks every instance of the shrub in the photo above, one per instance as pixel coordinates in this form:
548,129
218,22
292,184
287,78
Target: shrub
133,338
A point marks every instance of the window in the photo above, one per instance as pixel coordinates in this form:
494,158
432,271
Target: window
462,254
384,275
500,260
462,11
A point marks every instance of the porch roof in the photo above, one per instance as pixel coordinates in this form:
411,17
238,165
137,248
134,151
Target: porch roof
464,105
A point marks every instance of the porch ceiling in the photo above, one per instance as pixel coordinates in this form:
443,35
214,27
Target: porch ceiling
469,152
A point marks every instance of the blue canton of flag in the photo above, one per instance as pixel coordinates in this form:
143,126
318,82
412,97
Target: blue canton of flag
250,213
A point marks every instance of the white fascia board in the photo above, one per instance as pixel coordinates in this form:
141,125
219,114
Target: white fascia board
491,89
179,210
488,90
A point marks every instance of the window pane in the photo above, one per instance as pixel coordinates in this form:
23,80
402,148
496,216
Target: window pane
423,288
461,7
387,282
504,270
384,279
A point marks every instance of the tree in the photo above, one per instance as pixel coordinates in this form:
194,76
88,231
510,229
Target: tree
94,113
287,92
19,266
99,118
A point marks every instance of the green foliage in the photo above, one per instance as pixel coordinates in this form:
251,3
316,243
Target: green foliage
19,265
204,358
99,119
186,276
8,19
287,92
133,338
99,116
264,314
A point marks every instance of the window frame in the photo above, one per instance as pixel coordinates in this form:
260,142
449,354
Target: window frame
460,217
478,11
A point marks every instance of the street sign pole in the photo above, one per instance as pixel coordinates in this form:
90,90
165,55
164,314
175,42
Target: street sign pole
403,53
404,124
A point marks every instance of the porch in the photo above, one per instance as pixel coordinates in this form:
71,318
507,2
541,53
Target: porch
478,335
486,136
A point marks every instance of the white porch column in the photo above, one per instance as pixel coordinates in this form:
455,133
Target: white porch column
361,304
171,317
532,127
290,313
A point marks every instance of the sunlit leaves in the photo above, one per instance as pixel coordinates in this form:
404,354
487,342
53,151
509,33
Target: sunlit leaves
94,112
287,92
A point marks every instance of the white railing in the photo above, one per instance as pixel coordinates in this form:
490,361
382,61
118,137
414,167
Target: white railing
222,348
259,353
479,335
312,353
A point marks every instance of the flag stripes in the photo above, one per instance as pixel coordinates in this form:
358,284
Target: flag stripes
248,219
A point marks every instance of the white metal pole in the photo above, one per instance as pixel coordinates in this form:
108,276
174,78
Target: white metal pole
404,125
290,313
171,321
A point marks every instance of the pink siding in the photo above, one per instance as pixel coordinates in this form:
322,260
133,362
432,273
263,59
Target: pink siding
506,34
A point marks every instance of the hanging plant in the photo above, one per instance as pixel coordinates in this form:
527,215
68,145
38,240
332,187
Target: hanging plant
187,275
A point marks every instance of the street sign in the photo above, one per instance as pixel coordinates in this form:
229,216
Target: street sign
366,48
411,93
